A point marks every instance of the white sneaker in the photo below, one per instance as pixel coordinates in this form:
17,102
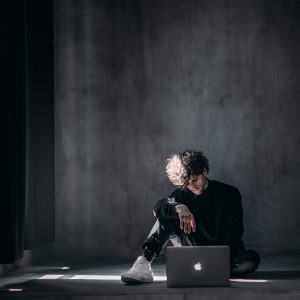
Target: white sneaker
140,272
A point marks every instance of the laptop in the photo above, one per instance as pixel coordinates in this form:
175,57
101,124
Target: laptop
197,266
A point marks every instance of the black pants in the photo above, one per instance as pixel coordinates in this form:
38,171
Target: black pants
244,262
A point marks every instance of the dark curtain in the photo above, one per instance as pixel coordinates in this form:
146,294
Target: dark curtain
27,127
13,98
39,221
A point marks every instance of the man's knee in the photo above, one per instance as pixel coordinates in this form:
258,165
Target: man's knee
249,256
245,262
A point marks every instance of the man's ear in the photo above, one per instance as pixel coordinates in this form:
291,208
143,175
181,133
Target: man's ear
205,173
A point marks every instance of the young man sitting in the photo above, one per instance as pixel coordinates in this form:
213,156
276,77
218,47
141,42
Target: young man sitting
198,212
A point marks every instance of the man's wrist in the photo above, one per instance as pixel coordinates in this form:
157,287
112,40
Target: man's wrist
174,207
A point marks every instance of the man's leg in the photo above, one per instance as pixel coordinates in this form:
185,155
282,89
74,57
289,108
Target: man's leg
162,231
245,262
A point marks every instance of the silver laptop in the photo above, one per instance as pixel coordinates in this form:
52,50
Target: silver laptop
197,266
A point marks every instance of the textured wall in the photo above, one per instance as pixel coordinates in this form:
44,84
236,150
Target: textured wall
138,80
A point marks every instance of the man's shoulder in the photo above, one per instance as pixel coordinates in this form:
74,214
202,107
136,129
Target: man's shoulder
180,192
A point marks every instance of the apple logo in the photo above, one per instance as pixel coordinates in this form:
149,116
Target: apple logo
198,266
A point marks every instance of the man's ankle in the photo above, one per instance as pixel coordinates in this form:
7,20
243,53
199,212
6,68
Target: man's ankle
148,254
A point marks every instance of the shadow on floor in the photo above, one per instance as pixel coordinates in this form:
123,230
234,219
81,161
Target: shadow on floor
274,275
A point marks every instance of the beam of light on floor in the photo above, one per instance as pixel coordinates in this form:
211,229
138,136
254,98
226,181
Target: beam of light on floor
109,277
118,278
15,290
248,280
96,277
51,276
160,278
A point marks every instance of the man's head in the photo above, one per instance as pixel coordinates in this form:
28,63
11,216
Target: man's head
188,169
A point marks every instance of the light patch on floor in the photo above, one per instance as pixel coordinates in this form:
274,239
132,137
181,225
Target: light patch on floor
109,277
118,278
96,277
51,276
249,280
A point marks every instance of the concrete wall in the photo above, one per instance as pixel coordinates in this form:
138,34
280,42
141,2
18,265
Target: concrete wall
139,80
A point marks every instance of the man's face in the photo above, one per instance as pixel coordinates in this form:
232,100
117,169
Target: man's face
197,183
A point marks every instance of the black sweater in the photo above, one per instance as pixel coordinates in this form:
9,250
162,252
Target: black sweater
217,211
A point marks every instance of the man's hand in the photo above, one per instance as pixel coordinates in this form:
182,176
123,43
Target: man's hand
187,221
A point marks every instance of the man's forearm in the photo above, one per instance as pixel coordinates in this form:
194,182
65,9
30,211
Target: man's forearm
165,209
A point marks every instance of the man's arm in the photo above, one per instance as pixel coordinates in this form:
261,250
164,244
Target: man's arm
165,208
235,224
172,208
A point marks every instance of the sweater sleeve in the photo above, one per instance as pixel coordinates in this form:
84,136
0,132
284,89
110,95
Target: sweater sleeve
234,224
165,208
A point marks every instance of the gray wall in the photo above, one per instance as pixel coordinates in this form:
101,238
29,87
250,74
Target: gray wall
139,80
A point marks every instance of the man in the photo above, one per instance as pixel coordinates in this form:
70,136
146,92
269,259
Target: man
198,212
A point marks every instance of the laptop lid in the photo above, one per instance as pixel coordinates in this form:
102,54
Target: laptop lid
197,266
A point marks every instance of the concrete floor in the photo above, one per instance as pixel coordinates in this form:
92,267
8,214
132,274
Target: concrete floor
278,278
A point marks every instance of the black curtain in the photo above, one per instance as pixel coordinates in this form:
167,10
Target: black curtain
39,221
27,127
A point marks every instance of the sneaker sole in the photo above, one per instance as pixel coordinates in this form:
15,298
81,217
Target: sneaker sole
130,280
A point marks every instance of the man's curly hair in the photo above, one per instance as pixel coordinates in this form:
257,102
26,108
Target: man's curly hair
180,167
